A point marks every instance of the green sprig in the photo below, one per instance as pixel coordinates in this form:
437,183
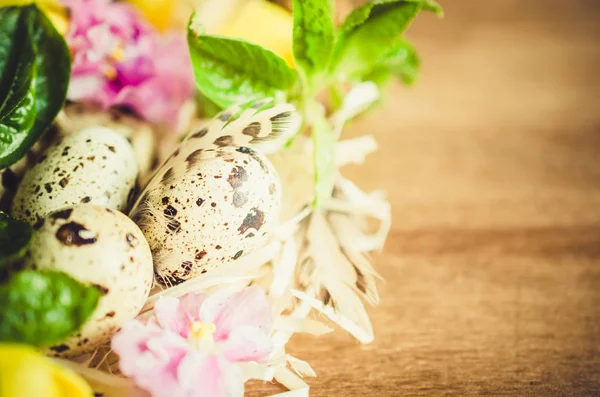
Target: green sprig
231,71
368,46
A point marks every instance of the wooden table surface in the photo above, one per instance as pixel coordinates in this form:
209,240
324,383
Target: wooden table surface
492,164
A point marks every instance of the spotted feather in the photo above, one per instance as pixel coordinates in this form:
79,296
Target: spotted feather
336,276
261,125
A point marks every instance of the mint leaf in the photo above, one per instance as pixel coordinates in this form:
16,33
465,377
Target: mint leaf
381,76
207,108
372,8
314,34
372,30
35,68
230,71
15,237
401,61
44,307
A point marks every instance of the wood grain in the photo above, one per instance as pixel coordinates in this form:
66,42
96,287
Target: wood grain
492,164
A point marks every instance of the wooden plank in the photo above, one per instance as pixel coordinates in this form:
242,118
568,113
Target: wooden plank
492,164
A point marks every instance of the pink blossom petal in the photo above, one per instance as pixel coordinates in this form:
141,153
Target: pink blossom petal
149,101
176,315
130,342
215,304
135,71
128,61
86,86
191,304
175,43
85,66
247,344
102,41
171,316
151,357
210,375
229,311
159,358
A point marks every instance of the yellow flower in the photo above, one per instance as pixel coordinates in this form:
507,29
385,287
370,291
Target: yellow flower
257,21
52,8
265,24
158,12
26,373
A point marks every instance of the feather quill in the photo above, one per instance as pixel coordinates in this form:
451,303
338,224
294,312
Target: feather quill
327,272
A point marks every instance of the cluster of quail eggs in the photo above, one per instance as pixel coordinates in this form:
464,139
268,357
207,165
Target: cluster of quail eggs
207,206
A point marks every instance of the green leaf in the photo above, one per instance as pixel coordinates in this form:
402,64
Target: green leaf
404,62
35,68
380,75
230,71
18,68
372,8
314,34
371,31
10,19
15,237
207,108
401,61
9,22
44,307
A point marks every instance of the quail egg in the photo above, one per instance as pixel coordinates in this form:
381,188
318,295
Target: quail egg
207,207
96,165
101,247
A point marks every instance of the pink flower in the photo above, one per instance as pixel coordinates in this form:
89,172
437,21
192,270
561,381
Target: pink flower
191,346
119,59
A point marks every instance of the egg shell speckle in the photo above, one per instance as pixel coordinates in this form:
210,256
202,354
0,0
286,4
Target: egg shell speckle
96,165
101,247
207,208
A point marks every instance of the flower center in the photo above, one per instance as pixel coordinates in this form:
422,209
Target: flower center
200,331
110,72
118,53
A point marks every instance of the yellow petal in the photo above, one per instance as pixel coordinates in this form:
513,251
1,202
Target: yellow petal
26,373
70,384
6,3
57,15
265,24
52,8
158,12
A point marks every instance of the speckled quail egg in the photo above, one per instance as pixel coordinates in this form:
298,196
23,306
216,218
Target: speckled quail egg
207,207
140,133
96,165
103,248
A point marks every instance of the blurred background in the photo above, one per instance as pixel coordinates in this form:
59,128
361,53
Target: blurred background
492,165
